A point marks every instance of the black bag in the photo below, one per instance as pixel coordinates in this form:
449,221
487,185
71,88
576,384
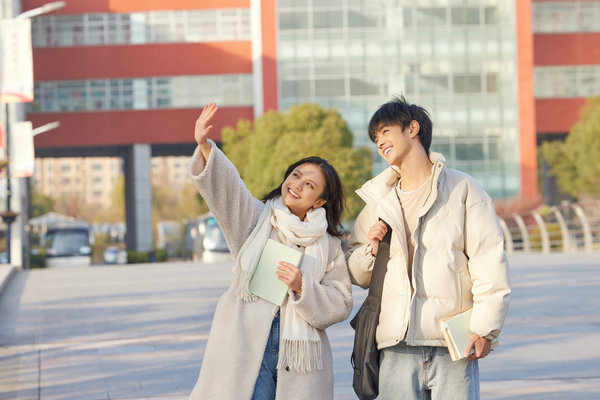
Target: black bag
365,355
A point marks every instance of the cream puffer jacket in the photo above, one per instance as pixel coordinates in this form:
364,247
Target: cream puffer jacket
459,260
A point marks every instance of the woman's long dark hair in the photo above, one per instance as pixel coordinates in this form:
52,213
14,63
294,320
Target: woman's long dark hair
333,192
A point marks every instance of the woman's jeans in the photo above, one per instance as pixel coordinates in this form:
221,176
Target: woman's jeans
267,376
426,372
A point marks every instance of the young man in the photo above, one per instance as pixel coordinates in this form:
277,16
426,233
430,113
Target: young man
446,256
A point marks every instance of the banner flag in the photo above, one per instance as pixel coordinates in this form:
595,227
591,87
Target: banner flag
16,61
22,155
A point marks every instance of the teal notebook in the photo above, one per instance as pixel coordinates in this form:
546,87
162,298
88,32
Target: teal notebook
264,282
456,332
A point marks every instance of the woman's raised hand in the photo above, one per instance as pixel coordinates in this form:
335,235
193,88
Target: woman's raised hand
202,123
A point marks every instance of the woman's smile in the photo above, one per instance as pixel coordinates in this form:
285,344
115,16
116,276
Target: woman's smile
303,188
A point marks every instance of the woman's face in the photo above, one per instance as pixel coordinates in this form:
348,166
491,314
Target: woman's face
303,188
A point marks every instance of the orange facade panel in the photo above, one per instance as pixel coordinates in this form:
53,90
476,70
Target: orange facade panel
557,115
567,49
127,6
85,129
269,54
527,133
73,63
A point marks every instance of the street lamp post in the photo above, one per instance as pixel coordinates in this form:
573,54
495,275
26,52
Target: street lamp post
9,216
46,8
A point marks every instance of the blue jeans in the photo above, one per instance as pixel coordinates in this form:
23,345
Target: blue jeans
426,372
266,383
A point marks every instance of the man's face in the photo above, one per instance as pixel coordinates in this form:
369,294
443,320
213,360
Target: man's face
393,142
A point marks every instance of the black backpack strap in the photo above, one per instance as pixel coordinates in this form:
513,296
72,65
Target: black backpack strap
380,265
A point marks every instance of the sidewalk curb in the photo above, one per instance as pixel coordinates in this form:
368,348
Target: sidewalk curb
6,272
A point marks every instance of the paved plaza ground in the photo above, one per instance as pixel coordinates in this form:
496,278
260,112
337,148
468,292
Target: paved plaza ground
139,331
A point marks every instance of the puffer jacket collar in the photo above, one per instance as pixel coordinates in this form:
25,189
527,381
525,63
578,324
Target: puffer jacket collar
380,195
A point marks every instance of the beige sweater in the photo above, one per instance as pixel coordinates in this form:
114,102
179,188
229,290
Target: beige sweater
240,330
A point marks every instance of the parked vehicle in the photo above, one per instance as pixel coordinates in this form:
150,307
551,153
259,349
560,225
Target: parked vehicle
68,246
115,255
204,240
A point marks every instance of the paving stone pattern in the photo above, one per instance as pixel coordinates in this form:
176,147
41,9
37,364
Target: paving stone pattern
139,331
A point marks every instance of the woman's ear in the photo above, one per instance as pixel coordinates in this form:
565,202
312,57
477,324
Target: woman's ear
319,203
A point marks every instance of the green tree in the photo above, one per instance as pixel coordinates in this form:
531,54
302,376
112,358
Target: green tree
574,162
116,211
40,203
176,205
263,151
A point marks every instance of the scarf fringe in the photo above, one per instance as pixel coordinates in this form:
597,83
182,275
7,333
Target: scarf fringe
300,355
243,291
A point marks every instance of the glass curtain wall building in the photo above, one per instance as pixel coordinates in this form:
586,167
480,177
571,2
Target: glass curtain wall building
572,79
142,28
458,59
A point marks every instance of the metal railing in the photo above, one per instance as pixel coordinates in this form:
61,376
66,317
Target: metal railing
570,227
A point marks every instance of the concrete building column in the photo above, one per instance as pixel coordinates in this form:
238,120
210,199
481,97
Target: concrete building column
138,198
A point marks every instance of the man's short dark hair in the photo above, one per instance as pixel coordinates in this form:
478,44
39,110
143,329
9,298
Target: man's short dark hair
399,112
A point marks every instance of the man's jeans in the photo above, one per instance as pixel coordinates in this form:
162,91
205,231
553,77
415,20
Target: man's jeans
267,376
426,372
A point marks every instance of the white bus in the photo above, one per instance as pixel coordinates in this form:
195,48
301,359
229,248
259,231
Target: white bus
68,246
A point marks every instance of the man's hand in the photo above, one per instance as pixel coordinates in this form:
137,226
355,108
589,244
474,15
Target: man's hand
376,234
481,345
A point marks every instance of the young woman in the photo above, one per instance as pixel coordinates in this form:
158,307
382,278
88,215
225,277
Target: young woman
257,350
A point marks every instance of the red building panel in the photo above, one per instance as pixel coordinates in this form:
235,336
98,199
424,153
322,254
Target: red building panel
557,115
269,55
567,49
73,63
128,127
527,133
562,1
127,6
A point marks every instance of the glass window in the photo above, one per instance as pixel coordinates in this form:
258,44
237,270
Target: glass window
588,82
491,15
160,92
494,149
441,145
431,16
95,29
359,18
433,83
327,19
468,150
291,3
465,15
140,27
409,84
293,20
491,83
329,87
362,87
467,84
408,16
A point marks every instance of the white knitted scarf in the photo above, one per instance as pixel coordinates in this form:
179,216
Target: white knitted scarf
300,345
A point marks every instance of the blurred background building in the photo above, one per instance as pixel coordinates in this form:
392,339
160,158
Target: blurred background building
127,78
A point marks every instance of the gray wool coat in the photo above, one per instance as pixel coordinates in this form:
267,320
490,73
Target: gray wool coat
240,330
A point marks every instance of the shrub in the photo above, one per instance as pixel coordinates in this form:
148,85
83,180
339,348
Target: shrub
161,255
136,257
